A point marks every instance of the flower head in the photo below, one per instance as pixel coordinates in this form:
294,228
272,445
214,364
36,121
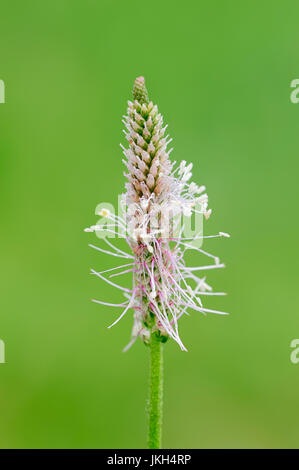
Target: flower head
158,197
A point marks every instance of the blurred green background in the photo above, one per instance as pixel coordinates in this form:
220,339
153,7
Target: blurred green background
220,73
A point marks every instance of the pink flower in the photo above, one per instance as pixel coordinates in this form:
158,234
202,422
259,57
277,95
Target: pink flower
159,199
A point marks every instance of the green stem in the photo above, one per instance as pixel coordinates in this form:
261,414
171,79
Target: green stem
156,392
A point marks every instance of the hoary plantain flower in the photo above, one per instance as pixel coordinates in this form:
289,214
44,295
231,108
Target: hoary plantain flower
159,198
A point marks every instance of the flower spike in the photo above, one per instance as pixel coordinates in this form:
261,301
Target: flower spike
158,197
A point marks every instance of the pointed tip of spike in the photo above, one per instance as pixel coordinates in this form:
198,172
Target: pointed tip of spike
139,90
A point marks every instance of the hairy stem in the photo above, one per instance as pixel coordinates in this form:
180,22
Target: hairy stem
156,393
